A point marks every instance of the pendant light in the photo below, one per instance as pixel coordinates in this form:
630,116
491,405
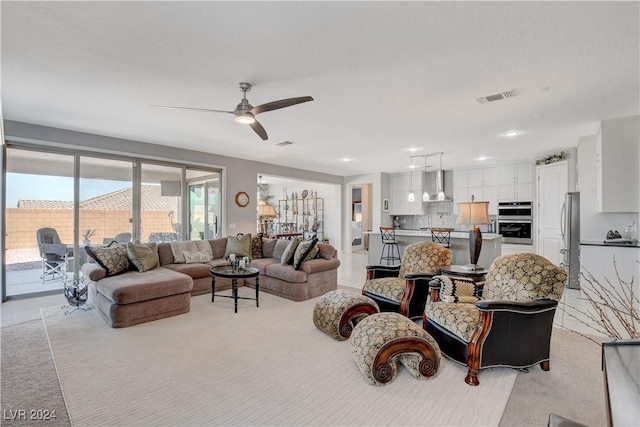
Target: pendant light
440,192
411,197
425,194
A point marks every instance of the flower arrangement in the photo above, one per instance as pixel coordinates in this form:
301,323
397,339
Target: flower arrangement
615,306
552,158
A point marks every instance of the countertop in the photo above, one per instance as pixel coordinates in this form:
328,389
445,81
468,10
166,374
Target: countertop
427,233
595,242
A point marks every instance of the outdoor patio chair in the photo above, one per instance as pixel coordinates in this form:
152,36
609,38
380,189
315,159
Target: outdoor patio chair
55,254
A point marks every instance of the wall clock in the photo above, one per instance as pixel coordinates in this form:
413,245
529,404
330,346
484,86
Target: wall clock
242,199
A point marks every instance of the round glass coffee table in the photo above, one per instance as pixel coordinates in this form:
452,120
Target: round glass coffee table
234,275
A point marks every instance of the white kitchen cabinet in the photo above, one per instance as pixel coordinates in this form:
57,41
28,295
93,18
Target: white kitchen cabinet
460,178
553,184
400,185
617,171
480,182
515,182
510,249
597,260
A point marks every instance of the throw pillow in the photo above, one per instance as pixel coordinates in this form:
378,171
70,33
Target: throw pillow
113,258
196,256
326,251
306,250
279,247
457,289
268,245
239,245
287,256
256,247
142,256
178,248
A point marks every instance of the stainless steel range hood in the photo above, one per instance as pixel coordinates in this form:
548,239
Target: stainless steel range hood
437,180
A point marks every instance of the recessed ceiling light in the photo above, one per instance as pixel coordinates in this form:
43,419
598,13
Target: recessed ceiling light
345,159
412,149
482,158
511,133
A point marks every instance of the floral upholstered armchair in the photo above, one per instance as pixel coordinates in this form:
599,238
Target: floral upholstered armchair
404,288
509,326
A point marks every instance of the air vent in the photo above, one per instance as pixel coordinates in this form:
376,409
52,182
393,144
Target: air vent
496,97
283,143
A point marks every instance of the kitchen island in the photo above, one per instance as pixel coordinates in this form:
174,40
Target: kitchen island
491,245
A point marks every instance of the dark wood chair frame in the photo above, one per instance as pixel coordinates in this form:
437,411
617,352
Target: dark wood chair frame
509,334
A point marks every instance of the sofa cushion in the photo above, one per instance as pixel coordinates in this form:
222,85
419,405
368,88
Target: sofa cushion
286,273
268,245
306,250
133,286
280,246
144,257
196,256
326,251
113,258
194,270
189,245
262,263
218,246
239,245
289,252
165,256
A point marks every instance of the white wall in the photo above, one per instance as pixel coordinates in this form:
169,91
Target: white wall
380,189
594,225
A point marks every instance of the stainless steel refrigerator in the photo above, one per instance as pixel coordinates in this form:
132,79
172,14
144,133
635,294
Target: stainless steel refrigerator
570,228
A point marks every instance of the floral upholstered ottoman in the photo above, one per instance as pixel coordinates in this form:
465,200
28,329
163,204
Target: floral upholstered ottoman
337,312
382,340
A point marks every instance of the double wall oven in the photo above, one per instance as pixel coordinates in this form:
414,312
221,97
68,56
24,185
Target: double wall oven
515,222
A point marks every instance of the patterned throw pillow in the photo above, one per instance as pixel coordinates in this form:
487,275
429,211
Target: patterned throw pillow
196,256
239,245
142,256
287,256
178,248
256,247
113,258
306,250
457,289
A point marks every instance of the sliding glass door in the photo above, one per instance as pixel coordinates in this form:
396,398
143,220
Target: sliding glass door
38,216
204,210
79,199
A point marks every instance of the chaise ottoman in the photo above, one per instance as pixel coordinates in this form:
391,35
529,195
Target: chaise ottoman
380,341
337,312
131,298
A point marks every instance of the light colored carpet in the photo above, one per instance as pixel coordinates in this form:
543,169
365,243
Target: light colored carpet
261,366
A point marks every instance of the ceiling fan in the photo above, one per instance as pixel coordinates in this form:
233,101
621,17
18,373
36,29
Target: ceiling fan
245,112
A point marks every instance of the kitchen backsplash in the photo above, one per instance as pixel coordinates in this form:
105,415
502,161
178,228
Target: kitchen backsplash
437,215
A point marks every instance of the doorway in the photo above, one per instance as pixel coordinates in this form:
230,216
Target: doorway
360,217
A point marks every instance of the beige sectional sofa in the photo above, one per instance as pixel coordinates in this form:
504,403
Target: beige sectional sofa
134,297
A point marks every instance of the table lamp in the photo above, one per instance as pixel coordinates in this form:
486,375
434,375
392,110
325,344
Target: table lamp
265,213
473,214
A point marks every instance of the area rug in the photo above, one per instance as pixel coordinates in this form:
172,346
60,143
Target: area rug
261,366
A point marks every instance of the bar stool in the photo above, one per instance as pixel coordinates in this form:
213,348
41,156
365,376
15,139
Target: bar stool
389,246
442,236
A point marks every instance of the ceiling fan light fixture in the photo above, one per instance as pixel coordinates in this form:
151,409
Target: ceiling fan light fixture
245,119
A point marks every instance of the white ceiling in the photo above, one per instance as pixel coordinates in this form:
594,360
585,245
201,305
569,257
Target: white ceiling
385,76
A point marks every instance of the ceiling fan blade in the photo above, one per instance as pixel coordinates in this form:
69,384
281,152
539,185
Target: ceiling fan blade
275,105
257,127
191,108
